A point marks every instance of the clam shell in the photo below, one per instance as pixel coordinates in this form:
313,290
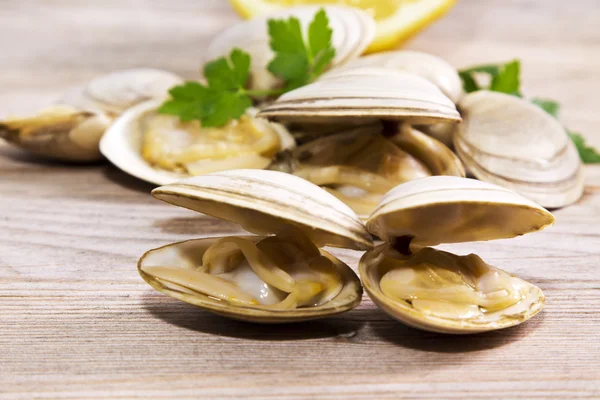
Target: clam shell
353,31
434,154
518,313
72,130
266,202
435,69
449,209
513,143
122,145
189,254
365,94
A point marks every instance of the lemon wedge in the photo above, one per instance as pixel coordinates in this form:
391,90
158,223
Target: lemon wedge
397,20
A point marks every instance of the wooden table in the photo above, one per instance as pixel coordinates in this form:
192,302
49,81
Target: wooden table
76,320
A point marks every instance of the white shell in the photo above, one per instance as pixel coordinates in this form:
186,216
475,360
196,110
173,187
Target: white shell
353,31
513,143
72,130
266,202
189,254
365,94
435,69
518,313
122,145
115,92
449,209
434,154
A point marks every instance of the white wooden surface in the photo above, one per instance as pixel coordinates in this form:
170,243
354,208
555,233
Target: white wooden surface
76,321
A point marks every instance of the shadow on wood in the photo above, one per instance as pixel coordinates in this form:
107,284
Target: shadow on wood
126,181
395,332
201,224
189,317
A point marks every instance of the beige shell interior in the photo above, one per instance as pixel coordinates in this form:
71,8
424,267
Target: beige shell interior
371,271
446,209
188,255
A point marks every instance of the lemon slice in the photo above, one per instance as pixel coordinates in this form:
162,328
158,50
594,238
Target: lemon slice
397,20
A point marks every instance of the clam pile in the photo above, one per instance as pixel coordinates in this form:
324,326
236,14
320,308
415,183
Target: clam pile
377,147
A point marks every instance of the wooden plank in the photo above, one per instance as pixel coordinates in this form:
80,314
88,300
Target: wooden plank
76,321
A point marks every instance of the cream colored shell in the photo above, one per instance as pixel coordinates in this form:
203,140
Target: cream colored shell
266,202
365,94
513,143
513,315
122,145
189,254
72,130
353,31
449,209
435,69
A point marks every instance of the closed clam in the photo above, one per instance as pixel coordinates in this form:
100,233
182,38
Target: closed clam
353,31
160,149
513,143
71,130
439,291
268,279
435,69
365,94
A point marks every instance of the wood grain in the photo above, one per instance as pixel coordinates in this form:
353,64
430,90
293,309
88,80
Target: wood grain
76,321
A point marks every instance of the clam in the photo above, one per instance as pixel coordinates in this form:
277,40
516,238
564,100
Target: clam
360,165
439,291
365,94
513,143
353,31
71,130
277,278
160,149
438,158
435,69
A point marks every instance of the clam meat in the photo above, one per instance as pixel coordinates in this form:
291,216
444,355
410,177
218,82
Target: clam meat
271,279
436,290
161,149
72,129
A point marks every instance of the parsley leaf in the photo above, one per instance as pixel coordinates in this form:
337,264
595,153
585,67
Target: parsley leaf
221,100
224,96
508,79
297,61
550,106
588,154
503,77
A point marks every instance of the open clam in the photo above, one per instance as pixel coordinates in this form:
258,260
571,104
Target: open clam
513,143
353,31
364,94
439,291
273,279
360,165
71,131
160,149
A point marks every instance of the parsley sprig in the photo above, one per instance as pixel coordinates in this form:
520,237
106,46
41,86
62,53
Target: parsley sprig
224,97
505,78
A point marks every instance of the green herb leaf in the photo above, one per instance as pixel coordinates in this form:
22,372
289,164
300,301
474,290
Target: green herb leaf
469,82
508,79
588,154
550,106
503,77
223,99
296,61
